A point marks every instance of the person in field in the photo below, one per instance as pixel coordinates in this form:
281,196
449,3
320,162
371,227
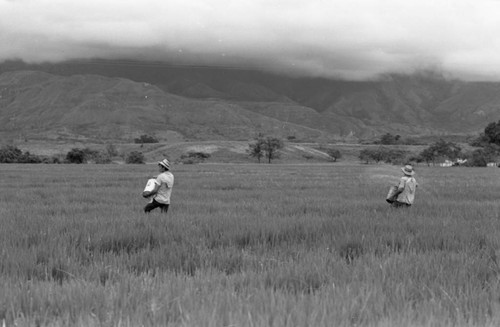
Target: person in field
160,194
404,194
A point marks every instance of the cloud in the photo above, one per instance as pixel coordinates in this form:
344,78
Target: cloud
353,39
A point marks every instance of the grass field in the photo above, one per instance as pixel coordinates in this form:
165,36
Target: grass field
248,245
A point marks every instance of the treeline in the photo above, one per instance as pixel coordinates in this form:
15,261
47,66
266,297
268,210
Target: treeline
12,154
437,152
487,149
390,139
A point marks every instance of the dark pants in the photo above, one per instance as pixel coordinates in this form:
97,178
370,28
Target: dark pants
153,205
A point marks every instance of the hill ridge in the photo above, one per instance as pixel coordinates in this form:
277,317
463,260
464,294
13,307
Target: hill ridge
190,104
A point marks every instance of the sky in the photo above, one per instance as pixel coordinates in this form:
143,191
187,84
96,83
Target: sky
348,39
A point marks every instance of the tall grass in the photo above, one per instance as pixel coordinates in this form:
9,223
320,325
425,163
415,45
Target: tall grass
248,245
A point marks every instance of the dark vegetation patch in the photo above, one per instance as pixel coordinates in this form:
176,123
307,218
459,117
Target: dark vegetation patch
194,157
231,187
351,250
295,282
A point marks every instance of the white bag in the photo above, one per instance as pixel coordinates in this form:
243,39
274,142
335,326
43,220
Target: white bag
150,185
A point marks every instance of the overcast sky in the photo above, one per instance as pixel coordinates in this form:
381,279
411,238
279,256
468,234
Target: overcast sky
353,39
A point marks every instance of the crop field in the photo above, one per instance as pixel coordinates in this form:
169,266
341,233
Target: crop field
248,245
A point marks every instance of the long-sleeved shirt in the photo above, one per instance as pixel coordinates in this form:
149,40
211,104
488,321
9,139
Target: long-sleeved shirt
409,185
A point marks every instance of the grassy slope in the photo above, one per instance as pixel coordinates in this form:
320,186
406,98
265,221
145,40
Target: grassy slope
220,151
248,245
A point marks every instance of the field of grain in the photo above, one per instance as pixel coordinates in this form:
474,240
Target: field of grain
248,245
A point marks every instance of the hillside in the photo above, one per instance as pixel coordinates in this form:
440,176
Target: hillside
115,101
40,105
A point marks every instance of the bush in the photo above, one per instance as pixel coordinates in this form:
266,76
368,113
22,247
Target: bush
477,158
383,154
388,139
52,160
135,157
27,157
80,156
11,154
439,150
111,150
146,139
76,156
194,157
334,154
481,157
101,158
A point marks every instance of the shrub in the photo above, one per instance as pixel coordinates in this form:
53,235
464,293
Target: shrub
383,154
193,157
111,150
27,157
388,138
481,157
439,150
102,158
146,139
76,155
334,154
135,157
79,156
11,154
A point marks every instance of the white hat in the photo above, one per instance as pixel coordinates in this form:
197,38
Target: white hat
408,170
165,164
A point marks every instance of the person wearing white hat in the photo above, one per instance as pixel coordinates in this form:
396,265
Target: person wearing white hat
160,194
405,193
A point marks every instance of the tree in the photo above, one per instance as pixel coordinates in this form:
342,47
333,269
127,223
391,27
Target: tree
272,147
268,147
146,139
111,150
334,154
478,158
388,138
441,149
135,157
383,154
10,154
365,155
27,157
76,155
193,157
492,132
256,149
427,155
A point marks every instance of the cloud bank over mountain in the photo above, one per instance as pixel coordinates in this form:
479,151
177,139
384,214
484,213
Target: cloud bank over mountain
350,39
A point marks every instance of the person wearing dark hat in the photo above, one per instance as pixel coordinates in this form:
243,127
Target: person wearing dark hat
163,184
405,193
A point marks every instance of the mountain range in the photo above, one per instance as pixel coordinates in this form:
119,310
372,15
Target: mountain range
120,100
